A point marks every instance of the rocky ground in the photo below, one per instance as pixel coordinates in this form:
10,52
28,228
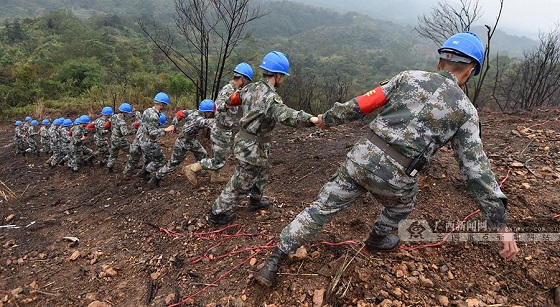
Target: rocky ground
142,247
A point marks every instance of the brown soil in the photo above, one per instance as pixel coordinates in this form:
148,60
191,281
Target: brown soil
123,259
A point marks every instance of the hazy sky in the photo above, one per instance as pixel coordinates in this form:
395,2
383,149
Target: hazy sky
524,16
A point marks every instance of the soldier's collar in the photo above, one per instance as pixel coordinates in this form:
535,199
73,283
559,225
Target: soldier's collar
449,75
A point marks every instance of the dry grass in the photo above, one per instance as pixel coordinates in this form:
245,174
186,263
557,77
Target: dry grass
7,193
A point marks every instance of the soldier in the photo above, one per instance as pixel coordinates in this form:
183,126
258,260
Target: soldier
45,139
79,154
64,142
101,127
186,141
30,134
149,131
421,112
55,139
119,134
18,138
221,133
135,152
262,109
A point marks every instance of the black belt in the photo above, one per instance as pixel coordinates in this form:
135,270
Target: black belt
390,151
254,138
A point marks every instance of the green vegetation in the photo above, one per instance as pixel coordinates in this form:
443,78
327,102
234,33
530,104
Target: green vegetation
65,61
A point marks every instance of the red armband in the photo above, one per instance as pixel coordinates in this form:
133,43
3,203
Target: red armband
107,125
235,99
215,108
90,127
70,133
136,125
371,100
180,114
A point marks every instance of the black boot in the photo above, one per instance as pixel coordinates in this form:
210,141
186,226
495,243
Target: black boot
109,170
267,275
381,243
222,218
144,174
154,182
256,204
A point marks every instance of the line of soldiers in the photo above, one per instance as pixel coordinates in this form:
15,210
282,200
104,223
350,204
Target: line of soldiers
420,112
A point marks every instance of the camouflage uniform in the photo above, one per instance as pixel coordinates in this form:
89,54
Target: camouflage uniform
45,139
18,140
262,109
119,137
55,144
424,110
64,144
30,134
186,141
135,151
149,131
221,133
101,138
78,153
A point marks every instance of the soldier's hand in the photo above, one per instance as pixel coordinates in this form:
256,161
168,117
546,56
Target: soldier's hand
318,121
170,128
507,240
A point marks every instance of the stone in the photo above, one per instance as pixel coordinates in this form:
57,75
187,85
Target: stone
443,300
318,297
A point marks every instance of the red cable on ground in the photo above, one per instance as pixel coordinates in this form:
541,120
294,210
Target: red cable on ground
267,245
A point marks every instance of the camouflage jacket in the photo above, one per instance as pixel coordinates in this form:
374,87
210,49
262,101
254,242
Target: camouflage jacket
426,110
194,121
77,134
149,127
119,127
262,109
43,132
18,133
64,137
226,116
100,132
30,132
54,135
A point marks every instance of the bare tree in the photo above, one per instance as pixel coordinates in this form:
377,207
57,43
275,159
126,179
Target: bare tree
535,81
211,29
446,20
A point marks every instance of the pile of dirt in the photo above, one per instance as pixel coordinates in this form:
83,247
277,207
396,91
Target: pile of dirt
98,239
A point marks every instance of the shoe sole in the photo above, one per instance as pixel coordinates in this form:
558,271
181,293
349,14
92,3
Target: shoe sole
263,282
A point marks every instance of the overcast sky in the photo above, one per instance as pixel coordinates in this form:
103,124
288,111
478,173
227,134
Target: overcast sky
527,17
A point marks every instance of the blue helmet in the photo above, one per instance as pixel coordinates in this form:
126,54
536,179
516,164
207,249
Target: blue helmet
126,108
45,122
243,69
466,44
77,121
18,122
276,61
161,97
58,121
107,111
84,119
34,123
28,118
162,119
67,122
206,105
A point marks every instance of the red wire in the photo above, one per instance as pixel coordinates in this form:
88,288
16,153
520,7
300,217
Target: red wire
267,245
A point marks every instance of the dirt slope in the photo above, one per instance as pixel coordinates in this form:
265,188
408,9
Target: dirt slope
123,259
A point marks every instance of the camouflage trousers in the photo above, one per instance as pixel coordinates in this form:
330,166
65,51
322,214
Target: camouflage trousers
221,148
152,153
62,155
117,144
20,145
57,155
181,149
31,144
78,155
247,179
134,155
46,143
350,182
102,151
